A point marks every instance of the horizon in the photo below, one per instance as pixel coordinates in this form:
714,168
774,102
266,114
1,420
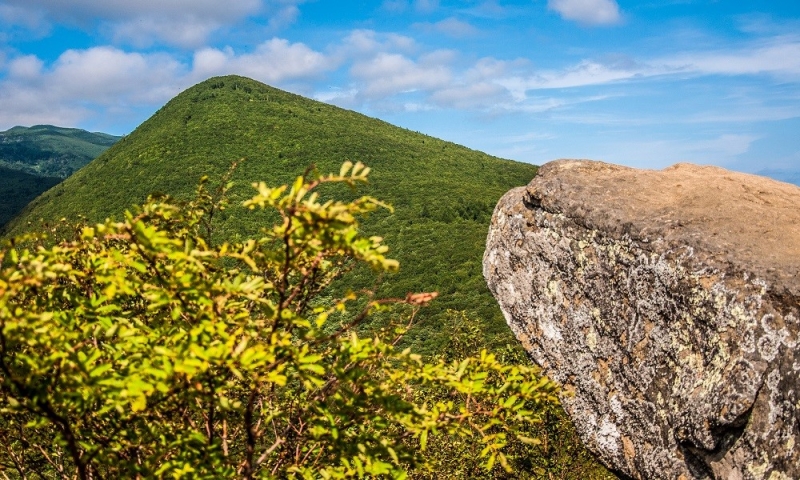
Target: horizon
644,84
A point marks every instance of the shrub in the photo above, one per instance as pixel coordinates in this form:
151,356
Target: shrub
141,349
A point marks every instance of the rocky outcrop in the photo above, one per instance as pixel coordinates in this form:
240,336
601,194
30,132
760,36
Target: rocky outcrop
666,304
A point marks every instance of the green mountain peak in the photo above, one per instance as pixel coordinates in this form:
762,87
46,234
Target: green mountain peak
443,193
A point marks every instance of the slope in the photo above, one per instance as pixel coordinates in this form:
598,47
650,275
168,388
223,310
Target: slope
51,151
17,189
443,193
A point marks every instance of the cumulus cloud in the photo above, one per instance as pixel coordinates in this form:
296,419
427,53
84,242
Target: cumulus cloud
122,9
360,43
480,86
27,67
590,12
65,92
19,15
185,23
370,70
185,30
391,73
109,75
273,61
81,82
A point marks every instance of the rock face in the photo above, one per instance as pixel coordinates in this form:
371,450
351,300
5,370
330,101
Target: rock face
667,305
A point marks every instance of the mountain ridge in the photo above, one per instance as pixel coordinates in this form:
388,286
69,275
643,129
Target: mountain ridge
51,151
34,159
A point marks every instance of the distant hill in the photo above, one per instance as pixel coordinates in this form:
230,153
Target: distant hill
17,189
443,193
50,151
35,159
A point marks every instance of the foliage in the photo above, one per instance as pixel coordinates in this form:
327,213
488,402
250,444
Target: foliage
554,454
143,348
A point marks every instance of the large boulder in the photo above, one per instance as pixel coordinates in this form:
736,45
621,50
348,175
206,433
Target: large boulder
666,304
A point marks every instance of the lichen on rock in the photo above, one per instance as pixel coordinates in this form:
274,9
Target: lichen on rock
667,304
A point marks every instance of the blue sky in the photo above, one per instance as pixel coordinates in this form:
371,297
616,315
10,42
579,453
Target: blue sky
643,83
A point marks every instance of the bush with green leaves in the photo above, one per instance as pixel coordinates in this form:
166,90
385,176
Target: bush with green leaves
141,349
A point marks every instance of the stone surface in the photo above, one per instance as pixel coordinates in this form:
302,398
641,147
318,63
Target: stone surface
667,305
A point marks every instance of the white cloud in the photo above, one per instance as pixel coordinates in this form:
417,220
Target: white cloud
283,16
390,73
126,9
19,15
25,68
337,96
184,23
474,95
591,12
109,76
478,87
272,62
364,44
186,31
779,58
82,82
583,74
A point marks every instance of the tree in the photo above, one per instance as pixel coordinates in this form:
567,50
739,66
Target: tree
140,349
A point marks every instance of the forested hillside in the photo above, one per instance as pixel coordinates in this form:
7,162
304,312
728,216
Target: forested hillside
443,193
50,151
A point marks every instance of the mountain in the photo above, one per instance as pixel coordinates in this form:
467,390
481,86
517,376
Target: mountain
50,151
443,193
18,188
35,159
